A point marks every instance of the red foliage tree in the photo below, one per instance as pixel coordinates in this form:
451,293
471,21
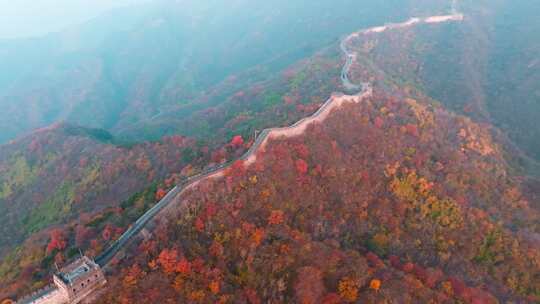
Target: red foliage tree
83,162
58,241
218,156
301,166
183,266
177,140
237,141
34,145
482,297
276,217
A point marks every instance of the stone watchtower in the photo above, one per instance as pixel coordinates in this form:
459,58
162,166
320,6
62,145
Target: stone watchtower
78,279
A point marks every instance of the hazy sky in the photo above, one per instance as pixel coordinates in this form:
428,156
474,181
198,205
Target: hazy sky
22,18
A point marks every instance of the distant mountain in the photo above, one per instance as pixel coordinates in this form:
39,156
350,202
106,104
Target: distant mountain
121,69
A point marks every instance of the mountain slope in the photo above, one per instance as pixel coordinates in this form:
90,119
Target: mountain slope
388,199
78,181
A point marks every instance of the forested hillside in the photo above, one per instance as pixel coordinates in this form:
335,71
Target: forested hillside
389,199
70,181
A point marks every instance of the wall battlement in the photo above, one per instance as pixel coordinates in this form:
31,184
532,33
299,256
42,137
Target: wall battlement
71,285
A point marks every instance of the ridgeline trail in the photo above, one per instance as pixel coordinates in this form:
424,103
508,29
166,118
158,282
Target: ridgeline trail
363,89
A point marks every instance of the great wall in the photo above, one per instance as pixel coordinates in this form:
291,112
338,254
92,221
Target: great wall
63,291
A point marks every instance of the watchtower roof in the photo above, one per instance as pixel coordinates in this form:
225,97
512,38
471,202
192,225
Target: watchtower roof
80,268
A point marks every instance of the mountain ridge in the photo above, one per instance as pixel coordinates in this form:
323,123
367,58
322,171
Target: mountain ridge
236,197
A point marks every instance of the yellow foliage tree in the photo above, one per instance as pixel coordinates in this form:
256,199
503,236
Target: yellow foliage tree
348,289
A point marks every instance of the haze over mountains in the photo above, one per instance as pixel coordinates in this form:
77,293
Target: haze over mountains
127,66
109,73
32,18
426,187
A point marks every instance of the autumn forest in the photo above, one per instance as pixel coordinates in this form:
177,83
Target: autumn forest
403,167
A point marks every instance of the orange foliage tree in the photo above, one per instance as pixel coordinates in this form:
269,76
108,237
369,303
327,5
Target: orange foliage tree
375,284
160,193
167,259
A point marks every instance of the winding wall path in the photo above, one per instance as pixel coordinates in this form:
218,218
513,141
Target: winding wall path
335,101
